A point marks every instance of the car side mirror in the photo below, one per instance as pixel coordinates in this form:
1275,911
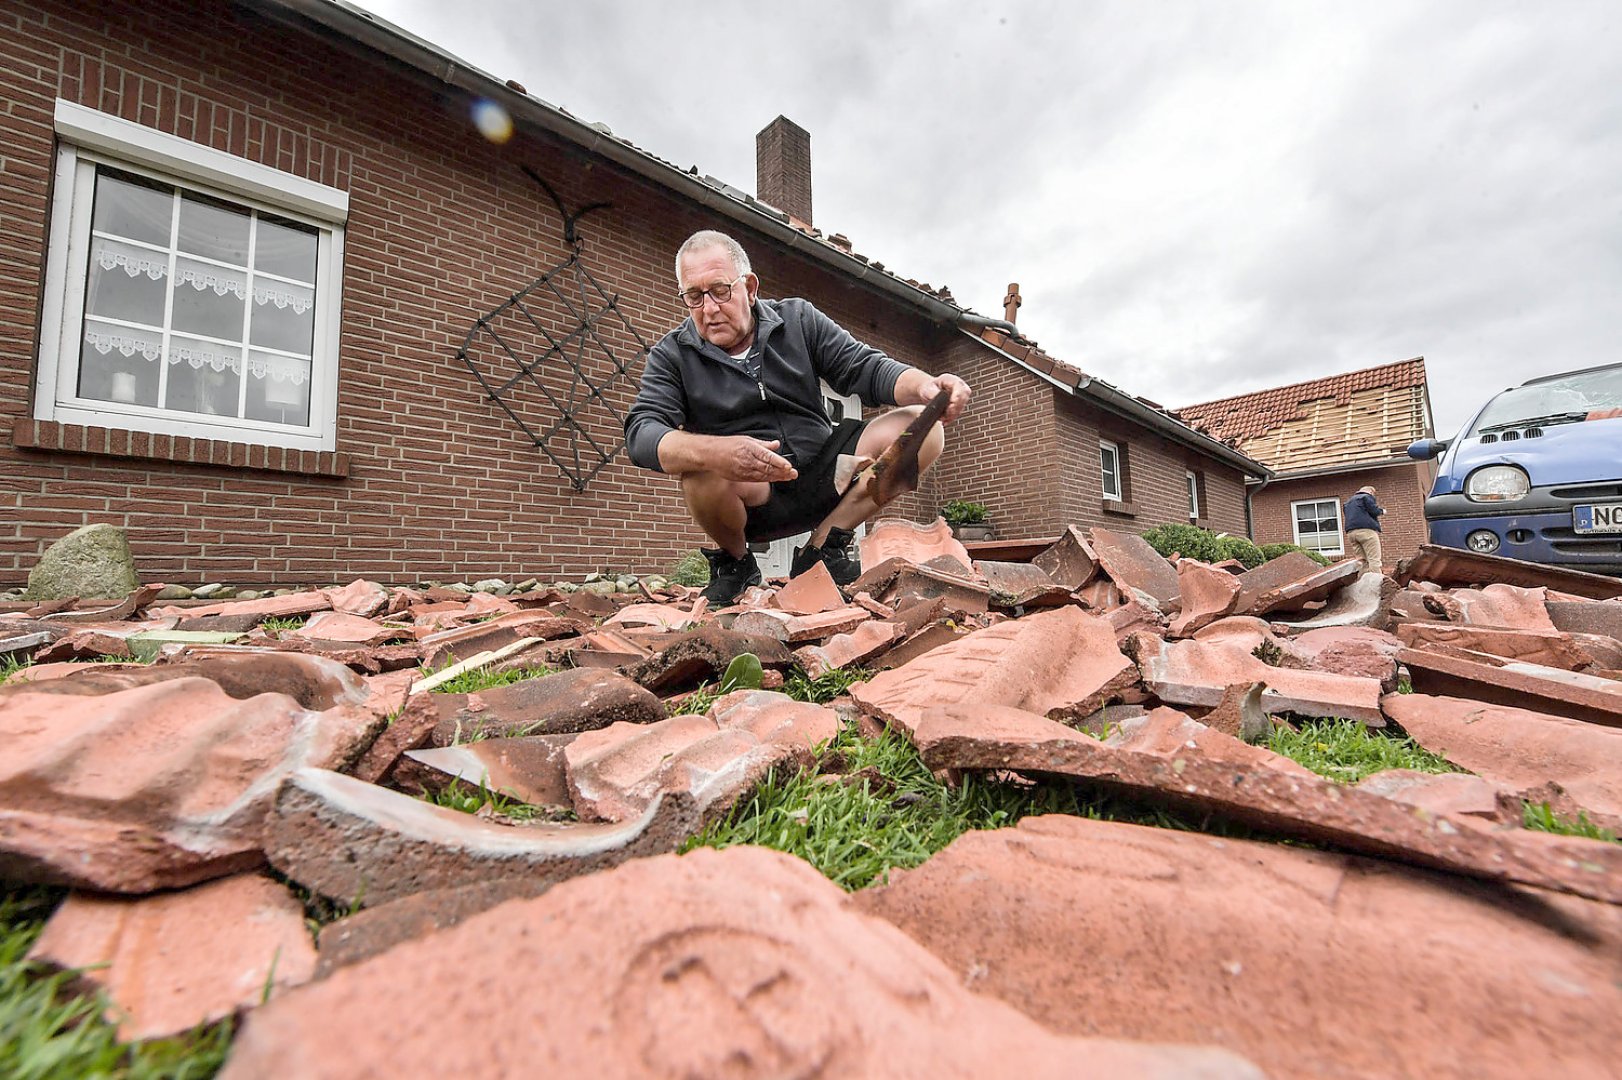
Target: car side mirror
1425,449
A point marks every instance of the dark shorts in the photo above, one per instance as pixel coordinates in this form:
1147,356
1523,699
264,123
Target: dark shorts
799,505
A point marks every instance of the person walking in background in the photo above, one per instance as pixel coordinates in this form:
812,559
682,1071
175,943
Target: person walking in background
1363,527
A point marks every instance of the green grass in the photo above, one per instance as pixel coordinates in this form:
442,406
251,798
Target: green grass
279,623
483,678
824,688
798,685
49,1031
890,812
11,663
1541,816
1346,751
470,800
699,701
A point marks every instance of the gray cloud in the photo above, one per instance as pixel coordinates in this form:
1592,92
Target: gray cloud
1196,199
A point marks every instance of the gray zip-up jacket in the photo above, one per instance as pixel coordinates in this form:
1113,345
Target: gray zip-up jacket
695,386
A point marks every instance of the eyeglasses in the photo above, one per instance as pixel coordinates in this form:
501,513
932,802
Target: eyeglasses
694,298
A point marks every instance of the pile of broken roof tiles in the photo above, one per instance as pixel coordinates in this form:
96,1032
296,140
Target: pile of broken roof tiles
1420,930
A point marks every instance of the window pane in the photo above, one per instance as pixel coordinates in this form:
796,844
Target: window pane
126,282
278,389
283,316
132,207
203,377
285,248
209,300
213,229
119,363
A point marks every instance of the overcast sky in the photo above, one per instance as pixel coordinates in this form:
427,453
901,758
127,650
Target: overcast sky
1197,199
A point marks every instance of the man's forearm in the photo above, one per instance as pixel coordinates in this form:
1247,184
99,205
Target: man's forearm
683,452
909,387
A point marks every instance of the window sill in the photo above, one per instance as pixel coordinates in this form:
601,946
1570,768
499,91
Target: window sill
1119,508
50,436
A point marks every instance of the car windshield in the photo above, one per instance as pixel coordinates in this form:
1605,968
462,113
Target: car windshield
1563,400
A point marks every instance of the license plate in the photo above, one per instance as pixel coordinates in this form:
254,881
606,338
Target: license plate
1598,518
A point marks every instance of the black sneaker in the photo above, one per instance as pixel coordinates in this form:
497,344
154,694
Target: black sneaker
837,553
729,577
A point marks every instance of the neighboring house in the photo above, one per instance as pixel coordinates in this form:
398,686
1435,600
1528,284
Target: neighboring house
248,245
1324,439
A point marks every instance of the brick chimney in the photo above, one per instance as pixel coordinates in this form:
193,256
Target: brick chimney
783,167
1011,302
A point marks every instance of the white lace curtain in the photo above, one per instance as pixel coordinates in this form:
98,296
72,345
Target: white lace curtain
129,342
135,261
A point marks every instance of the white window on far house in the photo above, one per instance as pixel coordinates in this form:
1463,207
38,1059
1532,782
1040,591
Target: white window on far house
1193,496
189,292
1109,465
1317,526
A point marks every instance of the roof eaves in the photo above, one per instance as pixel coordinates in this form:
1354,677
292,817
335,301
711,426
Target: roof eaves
1071,380
1353,467
369,31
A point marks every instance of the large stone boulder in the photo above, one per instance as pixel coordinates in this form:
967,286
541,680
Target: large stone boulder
92,561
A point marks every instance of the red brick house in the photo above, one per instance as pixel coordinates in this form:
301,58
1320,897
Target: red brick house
1324,439
250,244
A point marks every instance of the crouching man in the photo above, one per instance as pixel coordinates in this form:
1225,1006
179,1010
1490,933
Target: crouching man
731,405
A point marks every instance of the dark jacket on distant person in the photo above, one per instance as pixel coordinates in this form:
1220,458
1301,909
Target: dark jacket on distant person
1362,512
772,393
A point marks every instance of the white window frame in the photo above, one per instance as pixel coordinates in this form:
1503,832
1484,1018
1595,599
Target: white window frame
1193,495
1340,525
88,138
1114,451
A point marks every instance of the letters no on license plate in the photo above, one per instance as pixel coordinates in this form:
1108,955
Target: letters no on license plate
1598,518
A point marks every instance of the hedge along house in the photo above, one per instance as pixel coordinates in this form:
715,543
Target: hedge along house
1326,438
262,314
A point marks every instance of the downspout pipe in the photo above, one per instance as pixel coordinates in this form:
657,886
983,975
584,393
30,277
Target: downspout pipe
1250,513
972,322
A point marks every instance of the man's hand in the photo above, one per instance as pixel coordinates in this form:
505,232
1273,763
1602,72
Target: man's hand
739,457
934,384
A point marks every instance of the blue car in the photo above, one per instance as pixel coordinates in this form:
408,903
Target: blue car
1536,475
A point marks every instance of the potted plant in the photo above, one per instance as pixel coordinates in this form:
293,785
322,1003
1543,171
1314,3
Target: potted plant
967,519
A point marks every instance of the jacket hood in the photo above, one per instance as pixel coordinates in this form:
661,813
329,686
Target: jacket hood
767,319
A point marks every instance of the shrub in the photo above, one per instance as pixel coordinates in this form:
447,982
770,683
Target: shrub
961,512
693,569
1273,551
1240,548
1188,541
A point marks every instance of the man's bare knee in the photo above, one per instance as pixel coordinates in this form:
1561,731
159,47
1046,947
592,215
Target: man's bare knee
713,489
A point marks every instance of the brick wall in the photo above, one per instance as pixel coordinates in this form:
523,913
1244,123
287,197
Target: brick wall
430,480
1154,473
1035,464
1401,490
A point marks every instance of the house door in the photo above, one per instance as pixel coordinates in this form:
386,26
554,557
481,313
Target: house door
779,554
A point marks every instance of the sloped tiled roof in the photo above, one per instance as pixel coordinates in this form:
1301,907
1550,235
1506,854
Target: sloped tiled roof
1370,415
1026,352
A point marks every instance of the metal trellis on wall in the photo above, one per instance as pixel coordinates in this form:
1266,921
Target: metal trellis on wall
516,338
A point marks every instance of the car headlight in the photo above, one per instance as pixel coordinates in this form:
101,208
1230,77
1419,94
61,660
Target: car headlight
1497,483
